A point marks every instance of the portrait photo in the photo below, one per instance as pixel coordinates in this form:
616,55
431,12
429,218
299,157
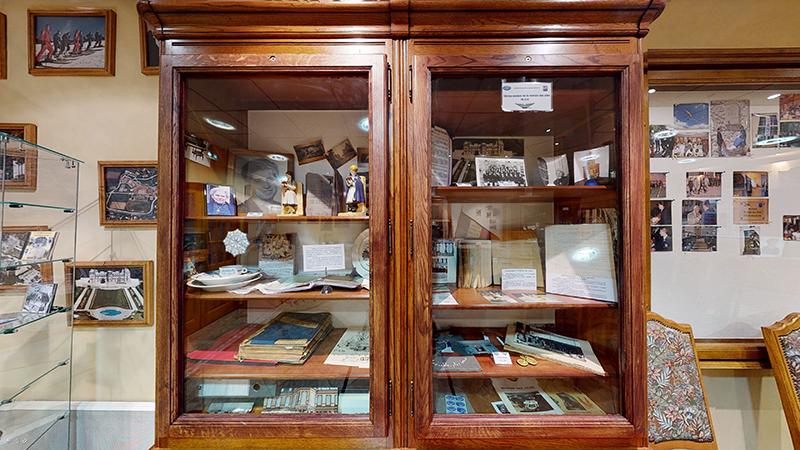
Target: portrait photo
658,185
501,171
220,200
309,152
791,228
110,293
256,178
699,239
660,212
660,239
750,184
20,168
71,42
128,193
730,122
662,141
699,212
690,115
703,184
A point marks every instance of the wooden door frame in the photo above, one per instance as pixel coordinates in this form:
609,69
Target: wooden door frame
724,68
622,60
173,429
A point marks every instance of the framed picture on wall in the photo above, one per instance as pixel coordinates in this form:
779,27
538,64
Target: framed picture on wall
12,246
21,165
110,293
149,51
128,193
71,42
256,179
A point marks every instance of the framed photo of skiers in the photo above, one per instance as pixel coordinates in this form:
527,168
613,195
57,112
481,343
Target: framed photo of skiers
128,193
71,42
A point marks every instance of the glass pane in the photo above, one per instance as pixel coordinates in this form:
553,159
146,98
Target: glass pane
276,245
525,245
725,166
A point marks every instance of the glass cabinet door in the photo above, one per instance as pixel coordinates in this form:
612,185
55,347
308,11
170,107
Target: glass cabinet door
283,304
520,289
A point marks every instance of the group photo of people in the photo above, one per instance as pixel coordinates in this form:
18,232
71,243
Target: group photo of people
501,172
70,41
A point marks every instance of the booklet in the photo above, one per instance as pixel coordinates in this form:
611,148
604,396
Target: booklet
524,396
530,340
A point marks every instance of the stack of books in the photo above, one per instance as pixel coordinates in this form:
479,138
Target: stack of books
289,338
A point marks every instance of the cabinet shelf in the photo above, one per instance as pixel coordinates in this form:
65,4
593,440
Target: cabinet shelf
522,194
15,328
314,294
65,209
280,218
472,299
313,369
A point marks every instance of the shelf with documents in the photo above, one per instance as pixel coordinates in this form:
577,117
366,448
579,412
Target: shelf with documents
315,294
472,299
523,194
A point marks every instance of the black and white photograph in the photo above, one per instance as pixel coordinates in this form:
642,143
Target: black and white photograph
220,200
765,130
730,123
20,168
699,239
704,184
531,402
501,171
466,149
129,193
554,170
699,212
13,243
791,228
660,212
111,293
660,239
39,298
658,185
341,153
662,141
256,178
40,246
72,42
751,241
750,184
309,152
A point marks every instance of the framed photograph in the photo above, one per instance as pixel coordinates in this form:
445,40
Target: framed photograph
660,239
730,122
340,153
501,171
750,184
220,200
12,245
310,152
3,49
699,239
660,212
71,42
751,210
791,228
662,141
789,134
256,179
690,115
128,193
110,293
39,298
658,185
764,130
149,49
21,166
690,144
789,106
699,212
703,184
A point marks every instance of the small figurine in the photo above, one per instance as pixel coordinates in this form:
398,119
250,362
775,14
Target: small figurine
355,195
291,202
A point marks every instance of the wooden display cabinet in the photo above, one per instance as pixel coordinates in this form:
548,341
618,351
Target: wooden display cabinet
279,74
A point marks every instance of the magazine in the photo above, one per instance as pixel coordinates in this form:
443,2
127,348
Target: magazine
351,350
524,396
40,246
529,340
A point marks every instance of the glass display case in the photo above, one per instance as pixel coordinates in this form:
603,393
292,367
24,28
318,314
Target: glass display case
37,239
526,298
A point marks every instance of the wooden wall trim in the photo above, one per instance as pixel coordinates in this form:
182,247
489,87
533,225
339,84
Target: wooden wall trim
722,58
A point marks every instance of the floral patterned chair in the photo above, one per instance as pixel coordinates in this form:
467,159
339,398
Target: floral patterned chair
678,413
783,345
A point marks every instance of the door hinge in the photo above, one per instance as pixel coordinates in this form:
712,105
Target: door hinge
389,82
391,399
390,242
411,237
410,83
412,398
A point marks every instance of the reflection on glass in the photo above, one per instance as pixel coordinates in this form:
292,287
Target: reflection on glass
525,250
276,246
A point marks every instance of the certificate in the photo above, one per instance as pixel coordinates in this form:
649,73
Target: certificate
519,279
580,261
441,150
319,258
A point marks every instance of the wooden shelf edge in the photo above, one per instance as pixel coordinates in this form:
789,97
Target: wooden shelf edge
471,299
280,218
314,294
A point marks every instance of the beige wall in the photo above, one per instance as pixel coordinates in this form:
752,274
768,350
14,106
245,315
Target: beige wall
745,406
94,118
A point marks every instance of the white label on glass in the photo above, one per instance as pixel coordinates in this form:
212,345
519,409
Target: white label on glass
526,96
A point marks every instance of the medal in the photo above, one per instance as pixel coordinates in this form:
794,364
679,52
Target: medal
522,362
531,360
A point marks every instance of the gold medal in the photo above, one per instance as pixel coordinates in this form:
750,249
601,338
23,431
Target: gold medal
531,360
522,362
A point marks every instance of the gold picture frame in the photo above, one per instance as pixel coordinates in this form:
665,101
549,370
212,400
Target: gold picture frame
26,131
45,59
110,217
138,290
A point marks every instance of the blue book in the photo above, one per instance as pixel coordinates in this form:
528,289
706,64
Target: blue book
292,329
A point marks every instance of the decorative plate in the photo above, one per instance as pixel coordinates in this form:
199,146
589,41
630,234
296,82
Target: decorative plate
360,254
